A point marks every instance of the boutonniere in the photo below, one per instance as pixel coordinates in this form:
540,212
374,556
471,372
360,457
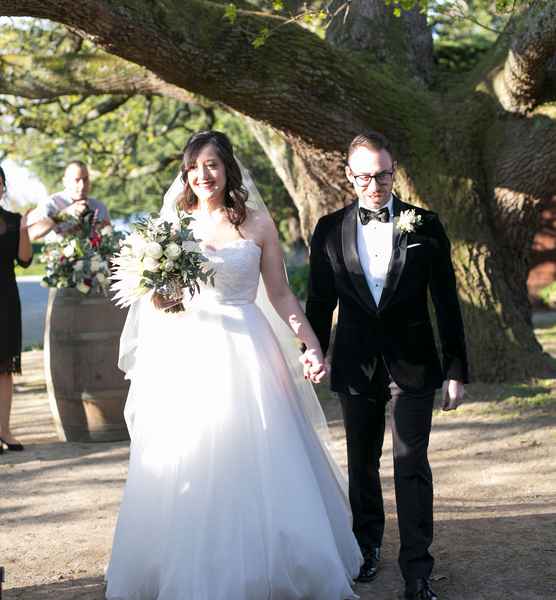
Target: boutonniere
408,221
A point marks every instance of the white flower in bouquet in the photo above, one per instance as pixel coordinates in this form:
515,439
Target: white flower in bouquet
101,278
83,287
150,264
137,243
153,250
172,251
106,230
172,261
191,246
72,259
69,250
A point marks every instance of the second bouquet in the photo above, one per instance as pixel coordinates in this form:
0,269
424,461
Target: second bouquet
163,257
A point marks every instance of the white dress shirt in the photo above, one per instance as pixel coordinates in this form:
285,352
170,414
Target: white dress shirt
374,245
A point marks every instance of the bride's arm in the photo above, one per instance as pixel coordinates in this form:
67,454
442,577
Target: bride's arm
283,299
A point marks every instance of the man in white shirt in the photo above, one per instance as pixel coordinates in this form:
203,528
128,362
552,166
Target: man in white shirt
73,201
379,258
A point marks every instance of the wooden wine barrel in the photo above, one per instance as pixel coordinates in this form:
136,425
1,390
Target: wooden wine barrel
86,390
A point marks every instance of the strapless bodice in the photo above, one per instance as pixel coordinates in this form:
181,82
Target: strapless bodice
237,268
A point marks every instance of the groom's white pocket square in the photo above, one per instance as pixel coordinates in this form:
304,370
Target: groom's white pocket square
414,245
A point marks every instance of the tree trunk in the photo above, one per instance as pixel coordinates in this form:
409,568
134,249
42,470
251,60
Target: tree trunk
482,168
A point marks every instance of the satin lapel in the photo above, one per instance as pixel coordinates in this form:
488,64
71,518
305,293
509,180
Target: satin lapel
397,260
351,256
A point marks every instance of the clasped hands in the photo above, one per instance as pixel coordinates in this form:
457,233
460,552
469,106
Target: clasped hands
314,366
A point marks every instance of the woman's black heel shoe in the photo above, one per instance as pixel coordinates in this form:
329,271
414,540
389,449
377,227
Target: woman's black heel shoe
11,447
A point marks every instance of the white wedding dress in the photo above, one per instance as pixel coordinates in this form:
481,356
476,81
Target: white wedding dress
230,493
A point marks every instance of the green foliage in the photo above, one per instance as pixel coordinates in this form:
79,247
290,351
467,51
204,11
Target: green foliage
462,33
261,37
132,144
231,13
548,295
298,277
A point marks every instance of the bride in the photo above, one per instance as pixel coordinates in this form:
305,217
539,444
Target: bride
231,495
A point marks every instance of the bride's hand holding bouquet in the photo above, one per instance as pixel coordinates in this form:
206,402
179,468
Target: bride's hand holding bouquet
163,258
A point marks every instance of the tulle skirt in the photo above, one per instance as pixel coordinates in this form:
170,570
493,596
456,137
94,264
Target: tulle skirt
230,493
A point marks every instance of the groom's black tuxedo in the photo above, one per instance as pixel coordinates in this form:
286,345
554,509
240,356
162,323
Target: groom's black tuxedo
399,329
388,353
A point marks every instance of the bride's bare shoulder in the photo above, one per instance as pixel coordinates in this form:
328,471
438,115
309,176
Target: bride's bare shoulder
258,225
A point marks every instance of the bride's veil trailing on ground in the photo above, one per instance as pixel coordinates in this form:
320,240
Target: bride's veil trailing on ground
289,344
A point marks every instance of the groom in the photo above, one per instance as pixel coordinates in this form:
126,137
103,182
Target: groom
379,258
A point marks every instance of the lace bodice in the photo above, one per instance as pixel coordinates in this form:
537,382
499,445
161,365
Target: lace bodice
237,271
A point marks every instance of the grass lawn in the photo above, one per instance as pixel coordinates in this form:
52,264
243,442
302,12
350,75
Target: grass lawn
35,268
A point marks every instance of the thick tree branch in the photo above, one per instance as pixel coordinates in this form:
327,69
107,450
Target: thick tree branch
519,84
86,74
198,50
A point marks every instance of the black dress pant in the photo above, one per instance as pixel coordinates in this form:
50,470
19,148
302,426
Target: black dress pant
364,421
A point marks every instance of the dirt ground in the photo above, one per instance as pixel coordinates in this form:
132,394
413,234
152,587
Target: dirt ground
495,498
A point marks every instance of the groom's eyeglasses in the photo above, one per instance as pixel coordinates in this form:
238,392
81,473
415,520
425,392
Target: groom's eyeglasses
364,179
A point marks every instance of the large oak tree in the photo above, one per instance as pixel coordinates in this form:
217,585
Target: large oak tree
481,152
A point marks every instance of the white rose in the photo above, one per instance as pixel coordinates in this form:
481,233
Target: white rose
83,287
150,264
137,243
190,247
170,264
69,250
78,266
106,230
153,250
172,251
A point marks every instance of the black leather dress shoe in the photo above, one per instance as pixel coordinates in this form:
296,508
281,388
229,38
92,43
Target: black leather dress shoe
370,566
419,589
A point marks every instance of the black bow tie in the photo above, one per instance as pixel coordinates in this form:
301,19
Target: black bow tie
382,215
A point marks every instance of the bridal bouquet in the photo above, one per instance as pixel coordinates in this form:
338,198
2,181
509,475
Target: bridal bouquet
162,257
80,258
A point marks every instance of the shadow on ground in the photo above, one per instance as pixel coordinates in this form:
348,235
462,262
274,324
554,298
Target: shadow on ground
473,560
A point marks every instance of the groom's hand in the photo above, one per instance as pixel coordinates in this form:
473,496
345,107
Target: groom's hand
452,394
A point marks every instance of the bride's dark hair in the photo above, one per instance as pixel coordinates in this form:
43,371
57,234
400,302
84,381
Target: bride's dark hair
235,195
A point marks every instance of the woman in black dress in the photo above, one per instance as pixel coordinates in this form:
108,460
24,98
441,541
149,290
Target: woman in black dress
14,246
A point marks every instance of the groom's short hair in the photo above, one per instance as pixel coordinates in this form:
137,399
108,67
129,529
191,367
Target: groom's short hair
372,140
